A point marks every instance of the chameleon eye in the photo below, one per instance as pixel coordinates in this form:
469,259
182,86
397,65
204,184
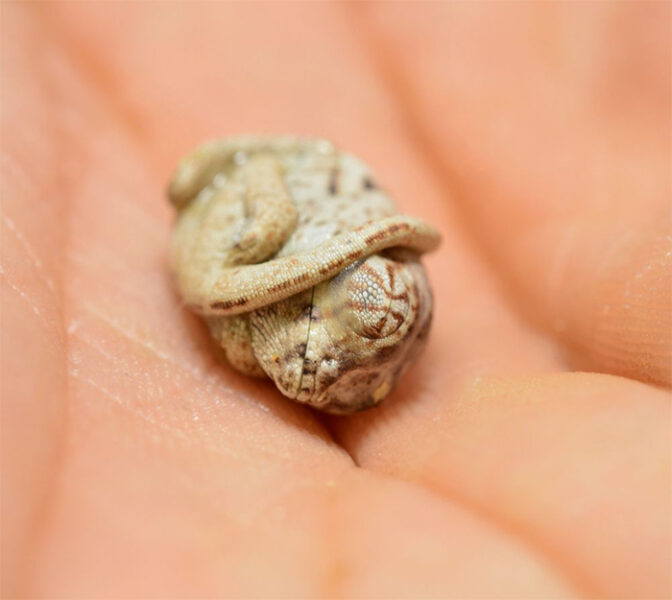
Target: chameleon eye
375,297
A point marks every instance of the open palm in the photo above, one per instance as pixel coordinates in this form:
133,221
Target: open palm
535,137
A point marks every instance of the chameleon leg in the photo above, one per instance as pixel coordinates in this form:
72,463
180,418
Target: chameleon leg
233,335
208,236
198,168
271,212
237,290
200,252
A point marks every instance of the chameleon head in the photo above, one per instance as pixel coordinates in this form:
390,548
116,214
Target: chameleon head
341,345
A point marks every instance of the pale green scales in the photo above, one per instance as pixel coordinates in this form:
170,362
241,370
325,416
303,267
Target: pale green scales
301,267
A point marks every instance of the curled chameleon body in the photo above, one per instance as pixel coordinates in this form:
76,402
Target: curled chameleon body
301,267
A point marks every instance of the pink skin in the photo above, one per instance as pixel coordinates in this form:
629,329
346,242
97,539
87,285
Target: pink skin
135,465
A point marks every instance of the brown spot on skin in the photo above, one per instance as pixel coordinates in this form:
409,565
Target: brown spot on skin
390,272
285,284
397,316
333,265
387,231
403,296
256,328
344,363
333,181
311,312
369,184
278,286
383,353
229,304
374,330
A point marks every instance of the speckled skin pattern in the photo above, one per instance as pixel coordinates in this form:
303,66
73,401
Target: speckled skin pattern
301,267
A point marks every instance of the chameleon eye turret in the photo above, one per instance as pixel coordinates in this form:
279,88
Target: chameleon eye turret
301,267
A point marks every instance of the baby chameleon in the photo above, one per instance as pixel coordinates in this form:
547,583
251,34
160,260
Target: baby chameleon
301,267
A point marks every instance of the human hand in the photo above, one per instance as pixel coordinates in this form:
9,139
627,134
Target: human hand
534,136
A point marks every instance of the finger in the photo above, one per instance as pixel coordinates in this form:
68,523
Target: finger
175,519
33,371
578,465
556,143
391,539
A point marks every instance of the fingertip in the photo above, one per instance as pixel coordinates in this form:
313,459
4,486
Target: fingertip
631,329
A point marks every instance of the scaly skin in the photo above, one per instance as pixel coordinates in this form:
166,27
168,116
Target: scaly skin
303,212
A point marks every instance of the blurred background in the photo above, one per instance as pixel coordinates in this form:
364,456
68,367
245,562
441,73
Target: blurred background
534,135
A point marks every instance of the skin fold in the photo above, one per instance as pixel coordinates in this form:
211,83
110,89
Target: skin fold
527,455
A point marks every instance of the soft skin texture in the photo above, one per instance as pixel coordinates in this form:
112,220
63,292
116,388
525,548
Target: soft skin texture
527,455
